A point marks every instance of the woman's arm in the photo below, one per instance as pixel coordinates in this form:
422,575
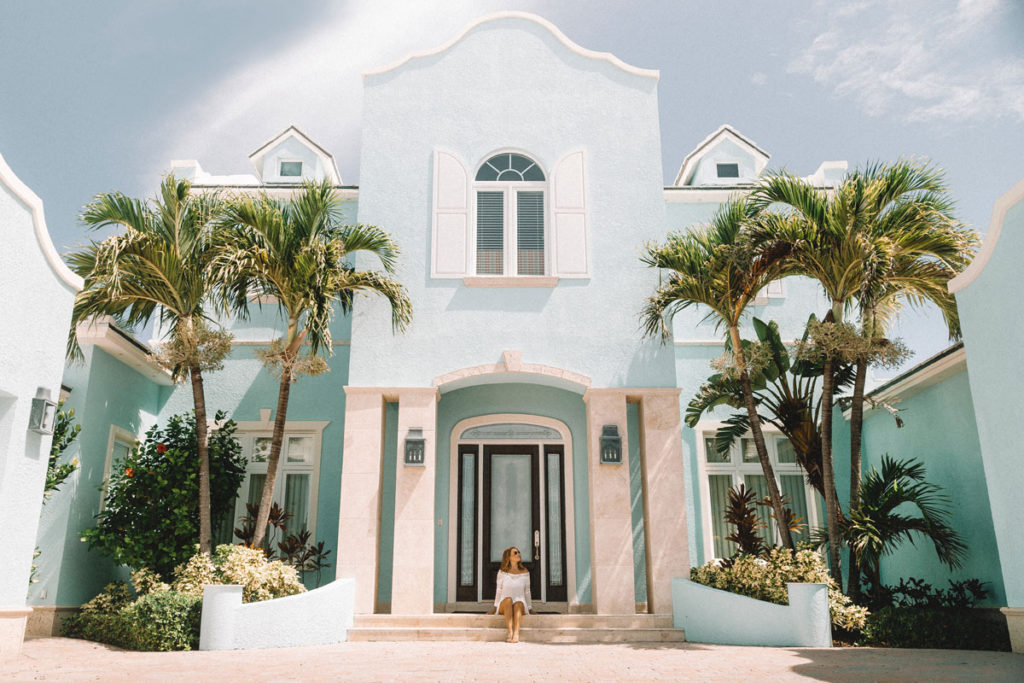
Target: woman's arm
499,590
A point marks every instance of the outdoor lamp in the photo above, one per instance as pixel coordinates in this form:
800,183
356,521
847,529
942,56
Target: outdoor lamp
44,410
415,447
611,445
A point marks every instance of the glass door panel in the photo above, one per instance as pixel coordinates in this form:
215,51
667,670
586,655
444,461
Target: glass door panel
511,509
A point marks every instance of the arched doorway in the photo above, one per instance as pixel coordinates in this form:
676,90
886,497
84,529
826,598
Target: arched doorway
511,484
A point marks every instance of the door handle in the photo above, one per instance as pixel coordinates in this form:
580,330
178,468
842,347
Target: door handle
536,544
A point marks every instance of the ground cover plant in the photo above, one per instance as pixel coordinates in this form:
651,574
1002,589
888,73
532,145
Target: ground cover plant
150,517
915,614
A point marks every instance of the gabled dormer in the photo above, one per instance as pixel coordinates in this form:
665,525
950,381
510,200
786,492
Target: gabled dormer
293,157
723,158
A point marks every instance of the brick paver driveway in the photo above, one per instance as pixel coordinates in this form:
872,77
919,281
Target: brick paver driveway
61,659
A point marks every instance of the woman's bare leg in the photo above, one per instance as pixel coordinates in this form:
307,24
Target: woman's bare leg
506,609
517,620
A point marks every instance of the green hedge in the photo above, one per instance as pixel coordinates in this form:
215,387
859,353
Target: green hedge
162,621
941,628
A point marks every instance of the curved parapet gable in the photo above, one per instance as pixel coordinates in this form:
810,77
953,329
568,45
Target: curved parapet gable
527,16
35,205
1002,205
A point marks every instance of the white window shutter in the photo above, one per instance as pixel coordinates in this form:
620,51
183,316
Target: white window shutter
571,240
450,234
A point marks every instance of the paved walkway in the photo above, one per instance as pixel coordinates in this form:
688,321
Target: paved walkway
62,659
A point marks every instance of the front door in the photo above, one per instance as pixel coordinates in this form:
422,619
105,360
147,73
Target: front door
511,507
511,495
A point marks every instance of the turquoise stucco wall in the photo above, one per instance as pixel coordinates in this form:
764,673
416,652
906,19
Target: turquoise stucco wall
527,399
104,392
510,83
993,324
939,430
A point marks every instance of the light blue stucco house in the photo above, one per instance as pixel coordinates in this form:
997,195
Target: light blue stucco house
521,174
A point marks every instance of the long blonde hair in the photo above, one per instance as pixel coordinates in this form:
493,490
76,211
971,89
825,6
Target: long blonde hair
506,560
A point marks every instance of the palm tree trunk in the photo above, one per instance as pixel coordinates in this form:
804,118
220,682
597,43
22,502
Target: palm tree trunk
277,439
827,471
762,451
199,399
856,433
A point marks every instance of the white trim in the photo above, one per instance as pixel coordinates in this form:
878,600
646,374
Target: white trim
915,382
567,486
114,435
1002,205
498,16
256,158
268,342
710,427
725,131
35,207
685,194
106,335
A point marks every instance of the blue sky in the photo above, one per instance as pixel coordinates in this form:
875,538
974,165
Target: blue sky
100,96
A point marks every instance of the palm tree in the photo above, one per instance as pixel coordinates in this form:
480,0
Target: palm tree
875,528
157,267
298,253
883,236
713,266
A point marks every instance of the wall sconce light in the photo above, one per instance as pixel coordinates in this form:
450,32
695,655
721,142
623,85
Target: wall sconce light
44,412
611,445
415,447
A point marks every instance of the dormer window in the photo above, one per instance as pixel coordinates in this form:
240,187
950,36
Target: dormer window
510,216
290,169
728,170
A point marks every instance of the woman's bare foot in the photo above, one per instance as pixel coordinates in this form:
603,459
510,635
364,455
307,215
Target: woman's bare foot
508,638
515,638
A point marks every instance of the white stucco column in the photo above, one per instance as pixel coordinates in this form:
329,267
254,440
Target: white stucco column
412,582
611,533
359,515
664,490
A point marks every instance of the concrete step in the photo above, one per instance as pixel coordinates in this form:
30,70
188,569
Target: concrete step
541,628
497,621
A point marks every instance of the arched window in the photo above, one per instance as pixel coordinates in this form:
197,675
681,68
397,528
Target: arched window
510,216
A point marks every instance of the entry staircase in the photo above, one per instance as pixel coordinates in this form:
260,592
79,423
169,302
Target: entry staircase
537,628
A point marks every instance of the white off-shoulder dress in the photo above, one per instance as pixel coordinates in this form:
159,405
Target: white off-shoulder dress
515,586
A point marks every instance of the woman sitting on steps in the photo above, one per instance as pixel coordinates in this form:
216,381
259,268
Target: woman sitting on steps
512,596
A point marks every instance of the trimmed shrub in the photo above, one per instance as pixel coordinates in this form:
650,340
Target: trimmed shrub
151,515
765,578
260,578
165,621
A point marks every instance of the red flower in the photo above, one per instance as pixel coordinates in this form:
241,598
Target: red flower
129,472
160,448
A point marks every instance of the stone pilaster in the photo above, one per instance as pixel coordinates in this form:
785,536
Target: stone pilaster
611,535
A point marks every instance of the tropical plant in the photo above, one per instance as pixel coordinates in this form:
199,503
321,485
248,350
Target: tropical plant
713,266
65,431
786,394
297,252
884,235
158,268
878,524
150,513
259,577
765,577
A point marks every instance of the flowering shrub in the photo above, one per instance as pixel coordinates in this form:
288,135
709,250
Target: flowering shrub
260,578
765,578
151,514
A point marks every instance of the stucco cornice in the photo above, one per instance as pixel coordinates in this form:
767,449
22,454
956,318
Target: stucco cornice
35,206
555,31
999,210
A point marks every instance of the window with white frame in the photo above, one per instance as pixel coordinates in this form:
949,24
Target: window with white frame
510,214
298,471
120,443
740,465
290,169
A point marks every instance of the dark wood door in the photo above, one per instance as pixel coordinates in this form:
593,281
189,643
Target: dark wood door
511,511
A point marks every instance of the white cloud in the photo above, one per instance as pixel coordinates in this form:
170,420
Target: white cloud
920,61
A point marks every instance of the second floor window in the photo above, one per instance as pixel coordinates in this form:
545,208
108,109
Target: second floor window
510,216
